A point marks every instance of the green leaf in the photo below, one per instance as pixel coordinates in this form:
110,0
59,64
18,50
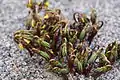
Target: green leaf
45,55
114,51
55,63
76,61
104,68
80,67
82,35
108,54
64,49
93,58
93,16
46,44
104,58
64,71
111,51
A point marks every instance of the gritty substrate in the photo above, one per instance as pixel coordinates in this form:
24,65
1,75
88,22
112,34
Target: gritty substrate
18,65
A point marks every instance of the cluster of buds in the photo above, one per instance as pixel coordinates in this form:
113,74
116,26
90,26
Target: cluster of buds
65,44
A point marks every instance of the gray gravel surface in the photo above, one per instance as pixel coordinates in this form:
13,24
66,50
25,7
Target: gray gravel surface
18,65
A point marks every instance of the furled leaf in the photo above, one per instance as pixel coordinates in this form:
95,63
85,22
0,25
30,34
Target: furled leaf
55,63
64,49
51,51
33,23
93,16
76,61
64,71
93,57
80,67
55,28
111,51
56,69
104,58
118,50
83,20
74,36
108,54
27,41
104,68
45,55
85,61
64,44
46,44
114,50
82,34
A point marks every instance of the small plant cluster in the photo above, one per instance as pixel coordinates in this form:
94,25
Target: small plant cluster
66,45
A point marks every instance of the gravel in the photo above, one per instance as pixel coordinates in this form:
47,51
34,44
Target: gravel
18,65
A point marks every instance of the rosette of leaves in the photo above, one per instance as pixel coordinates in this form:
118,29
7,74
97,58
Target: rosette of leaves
65,44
